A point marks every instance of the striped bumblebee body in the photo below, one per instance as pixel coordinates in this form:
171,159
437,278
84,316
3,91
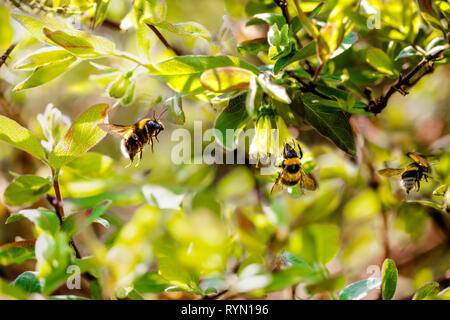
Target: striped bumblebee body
293,172
135,136
412,174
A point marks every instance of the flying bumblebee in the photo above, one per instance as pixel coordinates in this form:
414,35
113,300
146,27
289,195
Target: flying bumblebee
412,174
135,136
293,172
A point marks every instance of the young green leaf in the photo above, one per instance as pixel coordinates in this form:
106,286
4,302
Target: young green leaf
16,252
226,79
427,291
43,219
175,108
26,189
276,91
82,135
45,73
234,117
81,44
183,73
19,137
291,276
380,61
360,289
177,275
92,165
34,26
6,29
328,121
28,282
269,18
8,290
101,8
320,243
189,29
41,57
303,53
408,51
389,275
76,222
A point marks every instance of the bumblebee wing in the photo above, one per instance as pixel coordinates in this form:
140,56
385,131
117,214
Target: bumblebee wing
116,129
418,159
307,181
390,172
278,185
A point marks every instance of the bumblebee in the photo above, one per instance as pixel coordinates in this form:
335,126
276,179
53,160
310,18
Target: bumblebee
293,172
412,174
135,136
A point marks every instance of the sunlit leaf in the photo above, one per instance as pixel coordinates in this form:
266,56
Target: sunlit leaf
190,29
6,29
175,109
45,220
360,289
16,252
183,73
41,57
28,282
82,135
26,189
378,59
226,79
19,137
320,243
389,275
45,73
426,291
303,53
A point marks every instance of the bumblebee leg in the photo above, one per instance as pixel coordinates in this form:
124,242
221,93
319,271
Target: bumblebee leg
139,159
418,185
151,143
156,137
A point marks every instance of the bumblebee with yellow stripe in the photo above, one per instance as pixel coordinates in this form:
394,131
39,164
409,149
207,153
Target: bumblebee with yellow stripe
412,174
135,136
293,172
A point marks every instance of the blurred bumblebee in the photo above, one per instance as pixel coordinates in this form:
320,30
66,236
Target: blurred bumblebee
293,172
412,174
135,136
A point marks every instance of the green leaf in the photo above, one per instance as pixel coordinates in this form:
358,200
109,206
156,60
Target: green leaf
303,53
183,73
320,243
329,122
292,275
274,90
80,220
408,51
254,96
269,18
6,29
129,94
28,282
16,252
234,117
348,41
95,290
8,290
45,73
119,86
328,284
226,79
175,107
378,59
26,189
189,29
253,46
101,8
176,274
19,137
82,135
427,291
41,57
43,219
34,26
81,44
360,289
53,254
151,282
389,275
92,165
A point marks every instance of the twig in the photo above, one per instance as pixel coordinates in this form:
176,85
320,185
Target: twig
403,82
163,40
6,54
307,87
284,9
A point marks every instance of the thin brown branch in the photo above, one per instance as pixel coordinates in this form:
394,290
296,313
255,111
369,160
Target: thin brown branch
7,54
284,9
163,40
403,82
